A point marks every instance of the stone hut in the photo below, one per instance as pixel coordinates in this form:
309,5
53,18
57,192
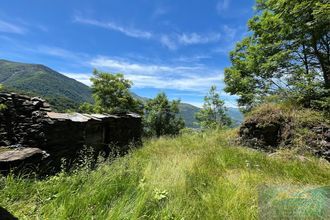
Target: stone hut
29,123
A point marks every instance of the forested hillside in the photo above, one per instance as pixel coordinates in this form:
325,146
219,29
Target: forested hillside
64,93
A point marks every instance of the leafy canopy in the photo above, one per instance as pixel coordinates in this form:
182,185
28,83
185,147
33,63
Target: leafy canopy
2,106
287,54
111,94
161,116
213,114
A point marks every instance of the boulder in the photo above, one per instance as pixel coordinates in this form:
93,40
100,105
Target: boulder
271,127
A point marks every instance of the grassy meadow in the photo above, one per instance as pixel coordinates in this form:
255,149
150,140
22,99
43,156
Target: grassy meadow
193,176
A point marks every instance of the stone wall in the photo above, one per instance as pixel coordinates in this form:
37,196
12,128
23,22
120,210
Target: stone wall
22,121
29,123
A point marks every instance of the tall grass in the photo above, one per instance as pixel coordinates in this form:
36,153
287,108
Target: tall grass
193,176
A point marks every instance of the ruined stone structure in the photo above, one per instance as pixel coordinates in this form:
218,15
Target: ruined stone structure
279,131
29,123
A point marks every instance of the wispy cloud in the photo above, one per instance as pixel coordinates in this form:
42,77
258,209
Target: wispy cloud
129,31
222,5
192,58
188,78
230,32
160,11
59,52
194,38
171,41
174,41
7,27
119,65
190,86
168,42
184,78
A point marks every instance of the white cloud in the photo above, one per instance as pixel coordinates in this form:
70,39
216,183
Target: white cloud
128,31
191,59
174,41
197,83
161,76
171,41
186,78
11,28
81,77
118,65
195,79
194,38
168,42
222,5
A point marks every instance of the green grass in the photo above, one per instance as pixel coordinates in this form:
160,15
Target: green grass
193,176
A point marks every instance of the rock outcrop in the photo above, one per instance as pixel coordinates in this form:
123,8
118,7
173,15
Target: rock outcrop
272,127
28,123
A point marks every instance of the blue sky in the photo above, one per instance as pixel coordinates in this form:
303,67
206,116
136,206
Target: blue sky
177,46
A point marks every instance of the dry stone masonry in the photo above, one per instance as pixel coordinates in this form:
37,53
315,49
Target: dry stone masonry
28,129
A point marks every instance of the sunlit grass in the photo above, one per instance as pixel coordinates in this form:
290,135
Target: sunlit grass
193,176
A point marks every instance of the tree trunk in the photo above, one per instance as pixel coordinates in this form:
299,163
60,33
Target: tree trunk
324,63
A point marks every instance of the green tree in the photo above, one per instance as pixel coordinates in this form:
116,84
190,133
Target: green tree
111,94
161,116
213,114
287,54
2,106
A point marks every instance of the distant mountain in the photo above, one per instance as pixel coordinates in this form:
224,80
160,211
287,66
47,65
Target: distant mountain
188,112
65,93
236,115
34,79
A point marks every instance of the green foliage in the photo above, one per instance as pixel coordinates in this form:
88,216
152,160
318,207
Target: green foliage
87,108
111,94
2,106
161,117
287,54
192,176
213,114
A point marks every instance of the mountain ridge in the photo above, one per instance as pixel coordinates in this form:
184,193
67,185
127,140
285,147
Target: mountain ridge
65,93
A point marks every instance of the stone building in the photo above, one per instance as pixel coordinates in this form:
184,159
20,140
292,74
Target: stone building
29,123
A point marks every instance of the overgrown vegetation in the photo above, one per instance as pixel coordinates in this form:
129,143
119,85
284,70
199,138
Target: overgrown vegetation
2,106
214,113
193,176
281,74
161,117
287,55
111,95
